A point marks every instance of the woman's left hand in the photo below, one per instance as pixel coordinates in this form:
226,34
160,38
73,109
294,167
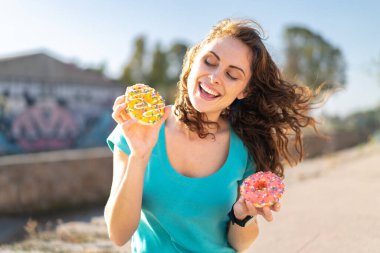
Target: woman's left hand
243,208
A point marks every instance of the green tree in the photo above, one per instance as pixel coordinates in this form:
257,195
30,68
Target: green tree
159,68
312,60
134,71
175,57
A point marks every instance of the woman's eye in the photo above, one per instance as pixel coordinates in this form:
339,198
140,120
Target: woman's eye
231,77
209,63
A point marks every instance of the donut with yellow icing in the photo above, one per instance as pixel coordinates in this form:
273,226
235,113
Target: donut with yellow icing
144,104
262,189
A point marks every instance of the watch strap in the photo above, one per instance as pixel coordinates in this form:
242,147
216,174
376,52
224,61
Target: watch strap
242,223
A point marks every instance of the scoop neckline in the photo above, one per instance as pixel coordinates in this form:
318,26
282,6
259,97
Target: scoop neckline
172,171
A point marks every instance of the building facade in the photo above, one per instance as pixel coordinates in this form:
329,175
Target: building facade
47,104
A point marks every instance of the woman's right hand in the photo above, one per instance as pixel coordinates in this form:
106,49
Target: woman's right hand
140,138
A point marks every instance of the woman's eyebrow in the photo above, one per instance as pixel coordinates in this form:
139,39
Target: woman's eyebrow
232,66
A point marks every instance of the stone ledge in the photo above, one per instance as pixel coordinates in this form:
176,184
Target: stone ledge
43,182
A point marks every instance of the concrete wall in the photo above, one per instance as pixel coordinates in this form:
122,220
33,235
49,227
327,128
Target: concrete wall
316,146
63,179
54,180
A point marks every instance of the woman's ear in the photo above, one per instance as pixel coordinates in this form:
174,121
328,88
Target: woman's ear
242,94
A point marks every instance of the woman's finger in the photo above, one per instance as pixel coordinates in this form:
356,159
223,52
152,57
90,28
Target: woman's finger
276,207
251,208
267,213
124,114
119,107
118,101
118,116
167,111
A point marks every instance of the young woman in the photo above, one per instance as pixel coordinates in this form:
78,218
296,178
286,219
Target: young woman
176,184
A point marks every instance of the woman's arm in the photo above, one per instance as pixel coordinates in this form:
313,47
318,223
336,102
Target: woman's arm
123,208
241,238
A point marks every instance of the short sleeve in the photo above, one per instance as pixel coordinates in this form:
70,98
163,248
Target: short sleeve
117,138
250,168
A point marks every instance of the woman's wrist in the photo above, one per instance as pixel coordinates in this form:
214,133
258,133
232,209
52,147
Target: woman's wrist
140,157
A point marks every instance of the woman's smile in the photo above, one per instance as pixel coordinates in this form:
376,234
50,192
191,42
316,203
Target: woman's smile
206,92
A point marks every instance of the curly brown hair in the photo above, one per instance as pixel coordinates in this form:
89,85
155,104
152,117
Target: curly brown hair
271,115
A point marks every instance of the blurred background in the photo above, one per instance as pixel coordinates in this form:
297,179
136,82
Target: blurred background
62,64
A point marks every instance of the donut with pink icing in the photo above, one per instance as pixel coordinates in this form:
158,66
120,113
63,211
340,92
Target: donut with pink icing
262,189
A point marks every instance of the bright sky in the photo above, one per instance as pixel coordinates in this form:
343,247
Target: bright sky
91,32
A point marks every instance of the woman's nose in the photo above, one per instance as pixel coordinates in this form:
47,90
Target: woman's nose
215,77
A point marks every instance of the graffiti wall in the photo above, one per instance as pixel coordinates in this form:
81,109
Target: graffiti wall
40,117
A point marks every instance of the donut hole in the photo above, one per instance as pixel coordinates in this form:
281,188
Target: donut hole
261,185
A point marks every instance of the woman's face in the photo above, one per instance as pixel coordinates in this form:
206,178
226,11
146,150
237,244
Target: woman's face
219,75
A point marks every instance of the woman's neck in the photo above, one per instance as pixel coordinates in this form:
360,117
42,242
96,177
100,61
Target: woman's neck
210,128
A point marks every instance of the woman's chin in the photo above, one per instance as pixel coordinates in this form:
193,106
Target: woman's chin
200,106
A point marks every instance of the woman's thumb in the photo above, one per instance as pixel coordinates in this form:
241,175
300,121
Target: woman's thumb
167,111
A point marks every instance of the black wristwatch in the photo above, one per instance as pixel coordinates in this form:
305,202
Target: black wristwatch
242,223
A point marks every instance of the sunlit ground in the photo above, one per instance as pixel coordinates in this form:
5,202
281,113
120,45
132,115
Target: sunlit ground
330,205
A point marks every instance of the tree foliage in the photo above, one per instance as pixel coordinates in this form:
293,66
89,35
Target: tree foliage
364,121
134,71
158,72
161,68
312,60
175,57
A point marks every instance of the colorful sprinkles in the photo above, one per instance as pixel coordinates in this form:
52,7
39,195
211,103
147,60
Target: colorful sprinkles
144,104
262,189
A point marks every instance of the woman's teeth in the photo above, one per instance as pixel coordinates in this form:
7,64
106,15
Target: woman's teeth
209,91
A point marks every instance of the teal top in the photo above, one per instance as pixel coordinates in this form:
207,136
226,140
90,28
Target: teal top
183,214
